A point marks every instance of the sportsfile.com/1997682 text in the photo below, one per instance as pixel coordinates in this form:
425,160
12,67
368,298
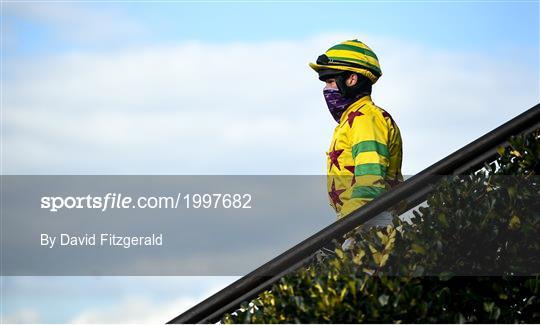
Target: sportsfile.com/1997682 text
120,201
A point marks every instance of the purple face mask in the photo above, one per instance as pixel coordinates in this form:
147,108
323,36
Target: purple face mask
337,104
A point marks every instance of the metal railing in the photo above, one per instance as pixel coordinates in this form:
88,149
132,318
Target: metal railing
413,191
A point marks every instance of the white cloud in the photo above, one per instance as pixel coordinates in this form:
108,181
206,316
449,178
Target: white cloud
23,316
140,310
196,108
75,299
136,310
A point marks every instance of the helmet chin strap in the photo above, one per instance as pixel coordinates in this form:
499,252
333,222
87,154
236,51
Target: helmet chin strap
360,89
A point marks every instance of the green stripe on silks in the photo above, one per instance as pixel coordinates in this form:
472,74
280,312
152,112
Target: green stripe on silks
370,145
367,192
376,70
370,169
353,48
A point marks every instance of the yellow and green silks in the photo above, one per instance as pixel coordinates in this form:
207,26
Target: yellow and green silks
365,155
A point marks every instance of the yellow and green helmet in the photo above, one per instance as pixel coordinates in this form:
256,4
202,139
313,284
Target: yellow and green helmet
351,55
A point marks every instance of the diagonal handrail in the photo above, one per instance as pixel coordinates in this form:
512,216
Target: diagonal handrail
413,191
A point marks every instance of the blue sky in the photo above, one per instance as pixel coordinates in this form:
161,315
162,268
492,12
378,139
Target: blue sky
475,25
132,88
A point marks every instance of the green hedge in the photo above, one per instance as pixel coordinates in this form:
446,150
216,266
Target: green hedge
486,225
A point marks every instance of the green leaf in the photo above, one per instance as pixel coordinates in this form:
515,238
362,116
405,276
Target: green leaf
442,219
446,275
418,249
514,223
383,299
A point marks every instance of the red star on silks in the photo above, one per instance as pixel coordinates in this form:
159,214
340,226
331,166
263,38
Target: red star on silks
394,182
352,115
334,194
386,115
351,169
333,155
